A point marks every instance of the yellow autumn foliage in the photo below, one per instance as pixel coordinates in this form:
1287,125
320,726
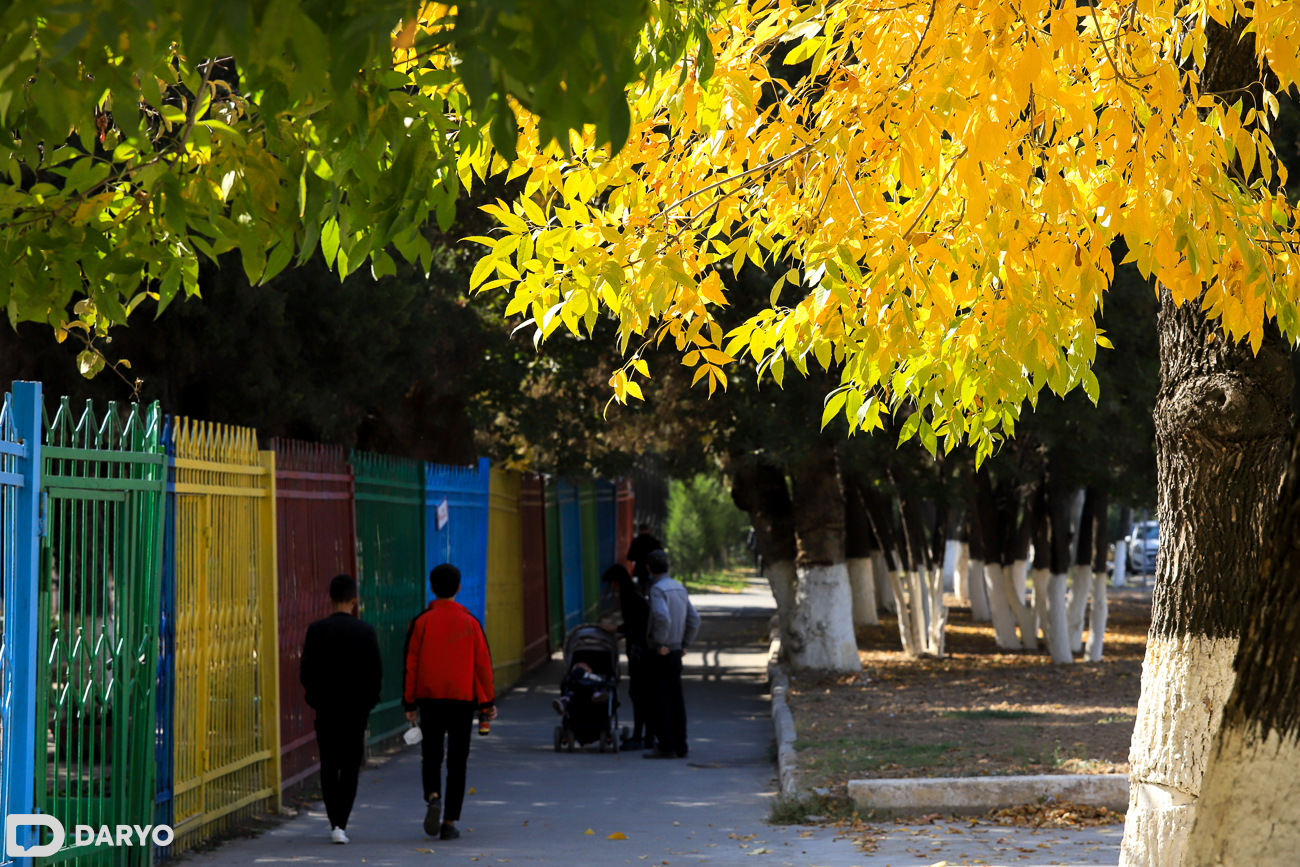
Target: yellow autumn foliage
942,191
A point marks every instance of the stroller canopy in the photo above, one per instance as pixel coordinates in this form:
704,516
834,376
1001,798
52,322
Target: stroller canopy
590,643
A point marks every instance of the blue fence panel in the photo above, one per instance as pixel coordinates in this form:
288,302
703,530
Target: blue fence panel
463,541
570,552
20,529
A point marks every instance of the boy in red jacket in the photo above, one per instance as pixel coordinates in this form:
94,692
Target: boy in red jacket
448,677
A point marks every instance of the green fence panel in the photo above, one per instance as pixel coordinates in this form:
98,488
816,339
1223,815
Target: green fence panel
390,568
590,550
99,597
554,566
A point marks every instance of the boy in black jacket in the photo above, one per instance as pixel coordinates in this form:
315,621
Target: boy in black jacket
341,672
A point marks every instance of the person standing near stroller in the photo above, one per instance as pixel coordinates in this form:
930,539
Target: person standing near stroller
340,672
448,678
638,551
673,625
634,628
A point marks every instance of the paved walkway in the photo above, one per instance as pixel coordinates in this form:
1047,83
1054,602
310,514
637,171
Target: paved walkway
533,806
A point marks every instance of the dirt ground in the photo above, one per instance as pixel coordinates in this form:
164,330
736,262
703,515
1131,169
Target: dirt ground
979,711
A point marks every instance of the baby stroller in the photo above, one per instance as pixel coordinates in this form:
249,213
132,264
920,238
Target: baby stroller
591,674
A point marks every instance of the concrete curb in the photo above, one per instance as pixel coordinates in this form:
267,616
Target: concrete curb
787,763
978,795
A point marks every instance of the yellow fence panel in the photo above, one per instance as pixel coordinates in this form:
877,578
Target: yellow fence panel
504,620
227,723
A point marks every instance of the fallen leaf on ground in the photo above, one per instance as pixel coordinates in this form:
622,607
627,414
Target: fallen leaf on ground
472,791
589,831
617,835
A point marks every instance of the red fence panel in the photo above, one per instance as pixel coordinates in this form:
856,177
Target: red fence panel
317,540
625,500
537,622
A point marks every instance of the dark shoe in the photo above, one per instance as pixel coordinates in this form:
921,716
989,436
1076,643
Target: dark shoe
659,754
558,705
633,744
449,832
683,754
432,817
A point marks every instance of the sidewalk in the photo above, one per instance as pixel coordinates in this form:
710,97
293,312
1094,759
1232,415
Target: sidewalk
534,806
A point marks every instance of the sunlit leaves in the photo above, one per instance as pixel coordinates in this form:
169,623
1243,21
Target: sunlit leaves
939,199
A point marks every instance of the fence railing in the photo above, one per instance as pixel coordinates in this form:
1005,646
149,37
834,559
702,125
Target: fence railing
315,540
504,617
99,595
533,552
463,539
20,465
390,568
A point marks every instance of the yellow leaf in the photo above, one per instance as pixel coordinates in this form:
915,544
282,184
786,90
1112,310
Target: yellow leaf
589,832
617,835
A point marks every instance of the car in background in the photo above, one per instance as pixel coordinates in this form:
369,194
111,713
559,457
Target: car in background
1143,546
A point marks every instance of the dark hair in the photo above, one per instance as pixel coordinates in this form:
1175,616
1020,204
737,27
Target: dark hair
617,574
644,527
657,562
444,581
343,588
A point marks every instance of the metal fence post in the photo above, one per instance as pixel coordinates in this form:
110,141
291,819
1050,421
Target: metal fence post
21,606
270,618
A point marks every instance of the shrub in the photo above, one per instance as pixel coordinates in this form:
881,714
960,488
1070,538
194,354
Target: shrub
705,529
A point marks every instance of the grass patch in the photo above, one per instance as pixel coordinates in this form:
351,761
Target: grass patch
989,714
809,809
732,580
854,755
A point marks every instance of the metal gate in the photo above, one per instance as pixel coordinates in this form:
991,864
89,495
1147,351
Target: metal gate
590,550
390,568
315,540
463,541
226,682
20,449
99,602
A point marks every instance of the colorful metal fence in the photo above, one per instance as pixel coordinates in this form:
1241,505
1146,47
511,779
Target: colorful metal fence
536,596
20,463
555,566
315,540
504,620
463,539
590,534
99,613
571,554
625,503
390,568
226,728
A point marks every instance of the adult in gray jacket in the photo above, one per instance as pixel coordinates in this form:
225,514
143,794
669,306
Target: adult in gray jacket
673,626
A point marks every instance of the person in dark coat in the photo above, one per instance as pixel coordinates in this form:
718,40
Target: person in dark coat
341,671
637,553
636,622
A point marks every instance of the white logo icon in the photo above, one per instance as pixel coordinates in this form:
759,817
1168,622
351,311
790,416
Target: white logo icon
12,823
122,835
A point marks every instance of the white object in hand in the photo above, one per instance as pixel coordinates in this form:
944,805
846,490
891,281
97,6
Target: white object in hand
413,735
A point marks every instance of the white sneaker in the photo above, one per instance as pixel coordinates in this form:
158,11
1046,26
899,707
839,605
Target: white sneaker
338,836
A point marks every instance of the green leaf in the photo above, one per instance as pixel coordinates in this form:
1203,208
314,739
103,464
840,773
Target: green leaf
833,405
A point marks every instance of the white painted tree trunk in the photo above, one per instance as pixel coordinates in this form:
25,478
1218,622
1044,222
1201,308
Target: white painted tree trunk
821,635
1185,683
781,577
884,588
1080,588
961,577
916,609
1041,577
1121,563
979,597
1056,628
1026,619
905,630
1097,618
1004,621
951,559
936,613
863,586
1236,819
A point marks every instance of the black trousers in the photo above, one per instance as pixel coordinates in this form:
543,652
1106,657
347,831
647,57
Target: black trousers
669,703
450,720
341,740
641,691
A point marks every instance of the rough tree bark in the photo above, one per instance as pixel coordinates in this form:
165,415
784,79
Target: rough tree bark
1221,419
821,632
859,545
759,488
1240,820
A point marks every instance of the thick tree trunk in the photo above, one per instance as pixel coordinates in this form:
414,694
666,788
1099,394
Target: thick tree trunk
1055,505
859,543
1222,419
879,510
880,576
961,574
1001,540
1241,819
1099,609
759,488
821,633
979,600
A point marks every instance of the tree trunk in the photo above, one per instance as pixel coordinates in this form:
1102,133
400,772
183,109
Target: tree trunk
759,488
879,510
1121,546
979,600
1081,572
1221,419
1097,613
996,521
1240,818
1056,629
925,580
859,543
821,634
961,574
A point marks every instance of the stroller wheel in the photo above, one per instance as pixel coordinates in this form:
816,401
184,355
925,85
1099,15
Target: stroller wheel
613,742
572,742
559,737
